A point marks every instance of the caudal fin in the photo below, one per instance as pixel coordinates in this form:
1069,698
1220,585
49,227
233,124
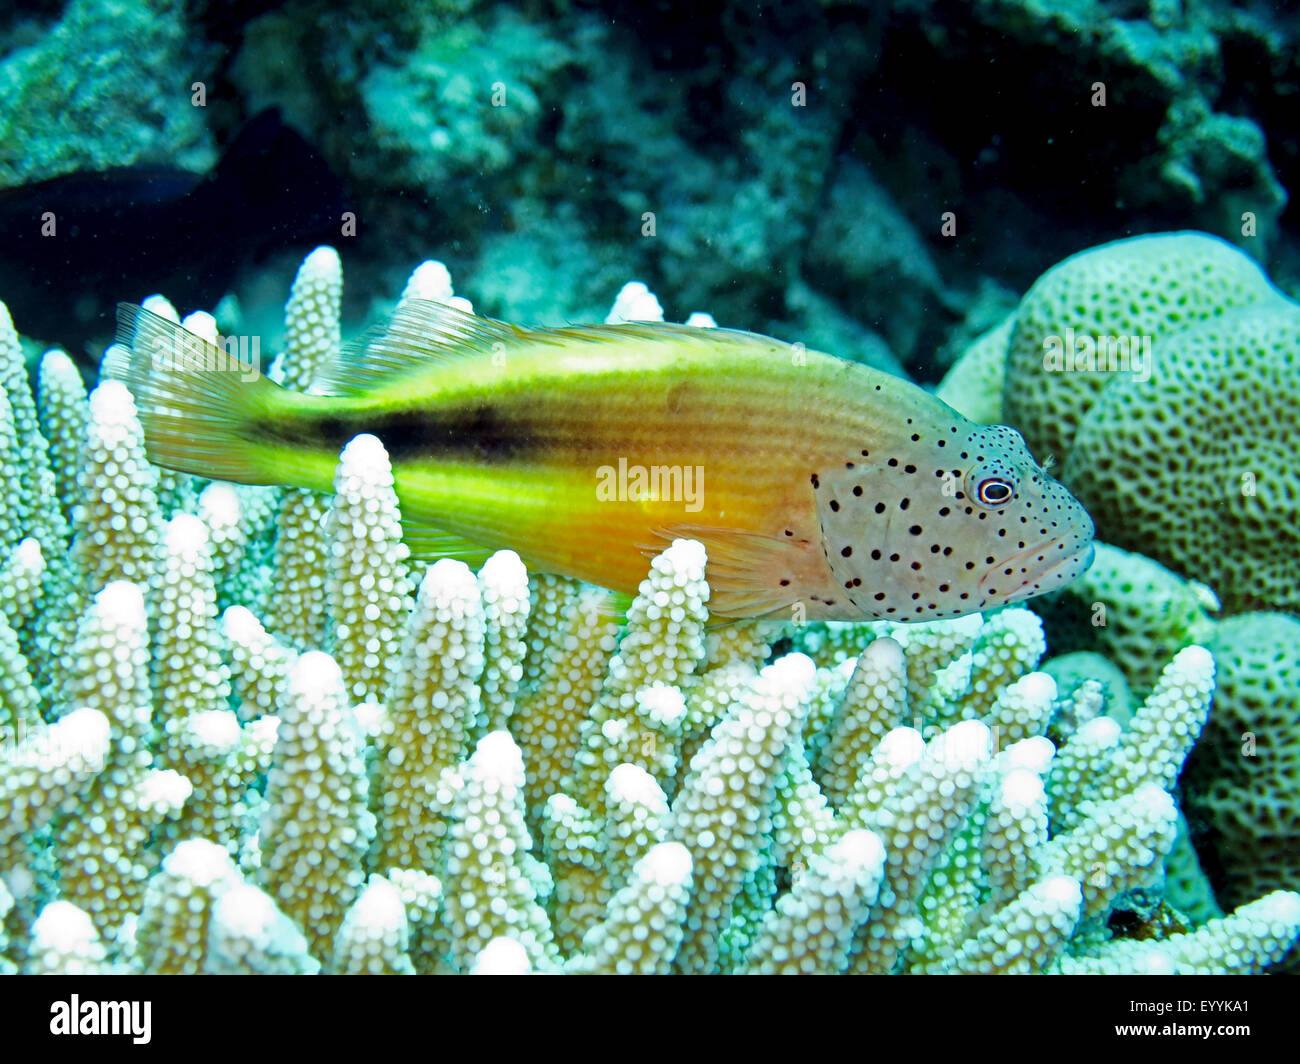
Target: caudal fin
200,406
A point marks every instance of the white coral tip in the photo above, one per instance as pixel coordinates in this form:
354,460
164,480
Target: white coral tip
219,504
498,756
1064,891
28,554
861,849
1035,754
633,784
186,536
1021,787
380,905
62,927
162,306
505,572
963,746
364,456
900,747
429,280
667,864
501,956
201,324
793,673
1102,732
323,262
634,302
1194,661
111,404
201,862
215,728
240,626
122,603
885,654
314,674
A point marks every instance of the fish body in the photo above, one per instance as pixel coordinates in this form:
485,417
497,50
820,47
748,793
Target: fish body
815,484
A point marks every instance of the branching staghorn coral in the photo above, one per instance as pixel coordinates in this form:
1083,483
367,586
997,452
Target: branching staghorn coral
289,764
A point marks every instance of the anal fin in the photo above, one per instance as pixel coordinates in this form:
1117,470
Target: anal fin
428,543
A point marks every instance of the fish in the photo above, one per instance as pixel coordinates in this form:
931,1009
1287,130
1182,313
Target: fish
820,488
116,232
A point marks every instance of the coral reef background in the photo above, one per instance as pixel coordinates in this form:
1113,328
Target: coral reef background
797,158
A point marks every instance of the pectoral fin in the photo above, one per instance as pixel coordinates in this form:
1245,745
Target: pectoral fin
745,569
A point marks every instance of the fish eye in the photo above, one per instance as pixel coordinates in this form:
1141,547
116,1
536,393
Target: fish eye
994,491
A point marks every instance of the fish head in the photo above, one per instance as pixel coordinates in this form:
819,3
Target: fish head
951,518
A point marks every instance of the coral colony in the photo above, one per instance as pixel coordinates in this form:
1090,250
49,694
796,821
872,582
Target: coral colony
244,732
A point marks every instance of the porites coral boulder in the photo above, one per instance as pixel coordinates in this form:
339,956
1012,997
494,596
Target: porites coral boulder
1243,780
1197,466
1148,286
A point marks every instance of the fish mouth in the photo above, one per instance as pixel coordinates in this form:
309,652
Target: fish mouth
1039,577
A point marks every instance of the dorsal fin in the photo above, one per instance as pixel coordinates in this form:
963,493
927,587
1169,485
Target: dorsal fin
421,333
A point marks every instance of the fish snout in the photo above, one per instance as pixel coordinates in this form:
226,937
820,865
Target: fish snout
1039,569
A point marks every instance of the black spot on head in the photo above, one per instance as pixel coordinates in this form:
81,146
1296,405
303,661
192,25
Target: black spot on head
909,469
916,567
880,507
785,583
915,530
892,463
857,490
875,555
905,504
846,552
835,506
848,465
816,483
880,596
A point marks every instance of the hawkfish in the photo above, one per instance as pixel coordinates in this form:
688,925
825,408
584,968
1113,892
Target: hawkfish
819,487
